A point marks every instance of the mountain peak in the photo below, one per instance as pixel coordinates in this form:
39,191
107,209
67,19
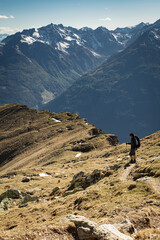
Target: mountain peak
102,28
86,29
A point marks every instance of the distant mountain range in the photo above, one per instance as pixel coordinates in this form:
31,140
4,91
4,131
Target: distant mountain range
123,94
38,65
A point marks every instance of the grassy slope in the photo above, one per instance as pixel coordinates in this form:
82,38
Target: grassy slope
47,146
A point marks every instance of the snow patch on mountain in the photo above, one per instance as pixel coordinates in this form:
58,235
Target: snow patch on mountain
156,34
30,40
121,38
79,43
27,39
36,34
68,38
95,54
62,46
76,35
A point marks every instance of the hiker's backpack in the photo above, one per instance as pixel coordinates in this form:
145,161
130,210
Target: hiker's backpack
138,144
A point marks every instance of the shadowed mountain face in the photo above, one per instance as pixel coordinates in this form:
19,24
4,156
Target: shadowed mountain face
37,65
123,94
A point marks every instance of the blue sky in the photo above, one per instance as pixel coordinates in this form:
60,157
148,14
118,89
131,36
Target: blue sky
16,15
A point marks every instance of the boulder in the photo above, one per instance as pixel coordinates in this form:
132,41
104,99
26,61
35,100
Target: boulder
88,230
11,193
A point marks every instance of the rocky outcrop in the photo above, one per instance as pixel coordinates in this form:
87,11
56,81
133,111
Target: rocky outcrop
84,180
24,197
88,230
112,139
95,131
11,193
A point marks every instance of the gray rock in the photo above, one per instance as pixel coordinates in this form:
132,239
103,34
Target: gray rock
11,193
29,198
6,203
107,167
88,230
115,167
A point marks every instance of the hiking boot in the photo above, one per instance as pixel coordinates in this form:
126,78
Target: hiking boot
132,161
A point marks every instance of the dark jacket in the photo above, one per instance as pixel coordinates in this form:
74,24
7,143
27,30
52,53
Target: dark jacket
133,143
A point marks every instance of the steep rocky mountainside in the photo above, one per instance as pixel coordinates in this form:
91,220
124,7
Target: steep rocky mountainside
37,65
122,95
63,178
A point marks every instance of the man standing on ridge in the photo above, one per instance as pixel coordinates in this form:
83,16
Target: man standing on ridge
133,148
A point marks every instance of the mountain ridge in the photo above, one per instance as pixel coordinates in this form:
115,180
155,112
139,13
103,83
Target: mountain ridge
122,91
52,58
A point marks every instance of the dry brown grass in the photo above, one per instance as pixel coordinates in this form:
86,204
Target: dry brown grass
50,151
148,234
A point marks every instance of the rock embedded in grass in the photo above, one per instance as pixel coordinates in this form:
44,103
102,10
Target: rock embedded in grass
88,230
26,179
84,180
29,198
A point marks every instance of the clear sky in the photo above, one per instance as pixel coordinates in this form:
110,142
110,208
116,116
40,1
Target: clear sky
22,14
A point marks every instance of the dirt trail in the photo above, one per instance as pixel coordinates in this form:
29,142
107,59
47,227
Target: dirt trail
125,173
125,177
